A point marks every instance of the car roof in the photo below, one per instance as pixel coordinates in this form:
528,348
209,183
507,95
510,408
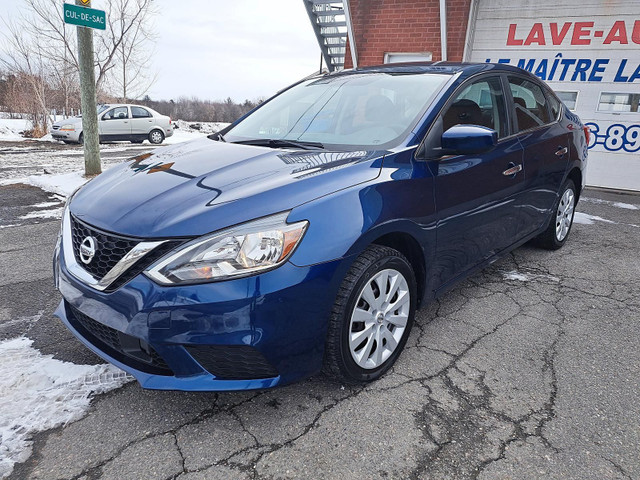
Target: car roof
466,68
111,105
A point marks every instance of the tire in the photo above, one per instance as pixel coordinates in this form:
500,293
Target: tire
81,139
371,354
156,137
561,220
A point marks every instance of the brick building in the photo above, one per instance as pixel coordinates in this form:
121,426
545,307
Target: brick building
383,27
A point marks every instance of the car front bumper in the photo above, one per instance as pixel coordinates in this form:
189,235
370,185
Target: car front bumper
65,135
249,333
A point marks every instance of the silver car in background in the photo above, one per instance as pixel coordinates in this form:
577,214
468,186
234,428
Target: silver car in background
117,122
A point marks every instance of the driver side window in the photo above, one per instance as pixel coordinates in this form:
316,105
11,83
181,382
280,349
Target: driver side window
116,113
480,103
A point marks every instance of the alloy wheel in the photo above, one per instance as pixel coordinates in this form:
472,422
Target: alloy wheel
379,318
564,215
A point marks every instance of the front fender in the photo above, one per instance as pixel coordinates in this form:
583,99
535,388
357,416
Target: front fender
346,222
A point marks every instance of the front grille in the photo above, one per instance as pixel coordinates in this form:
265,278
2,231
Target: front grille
109,248
232,362
128,349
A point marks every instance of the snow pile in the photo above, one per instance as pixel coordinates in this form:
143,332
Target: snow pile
64,184
11,128
38,393
206,128
184,132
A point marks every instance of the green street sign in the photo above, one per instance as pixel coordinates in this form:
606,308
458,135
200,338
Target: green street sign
85,17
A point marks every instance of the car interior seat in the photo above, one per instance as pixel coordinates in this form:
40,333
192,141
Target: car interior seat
462,111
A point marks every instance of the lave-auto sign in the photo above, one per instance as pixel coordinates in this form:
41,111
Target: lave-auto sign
84,16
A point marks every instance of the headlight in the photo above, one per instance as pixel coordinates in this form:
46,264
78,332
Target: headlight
68,128
238,251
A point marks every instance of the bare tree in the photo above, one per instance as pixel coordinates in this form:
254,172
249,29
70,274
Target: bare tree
128,33
131,78
23,59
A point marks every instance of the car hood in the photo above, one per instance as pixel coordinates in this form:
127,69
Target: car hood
201,186
68,121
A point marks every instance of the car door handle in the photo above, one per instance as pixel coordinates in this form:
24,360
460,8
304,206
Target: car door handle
562,151
512,170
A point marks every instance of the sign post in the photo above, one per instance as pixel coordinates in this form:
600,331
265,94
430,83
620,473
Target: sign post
86,19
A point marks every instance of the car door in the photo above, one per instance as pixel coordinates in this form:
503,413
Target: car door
141,121
115,124
545,145
477,196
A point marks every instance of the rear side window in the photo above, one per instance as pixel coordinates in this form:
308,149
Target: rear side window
530,104
481,103
554,105
139,112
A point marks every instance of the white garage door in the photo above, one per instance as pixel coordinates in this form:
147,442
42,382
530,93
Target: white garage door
589,52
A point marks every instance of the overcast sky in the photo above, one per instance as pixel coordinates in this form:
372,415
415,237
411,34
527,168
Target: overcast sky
216,49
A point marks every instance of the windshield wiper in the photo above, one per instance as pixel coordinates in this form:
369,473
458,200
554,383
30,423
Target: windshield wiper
281,142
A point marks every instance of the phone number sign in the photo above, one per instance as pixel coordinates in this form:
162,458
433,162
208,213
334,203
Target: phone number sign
84,16
615,137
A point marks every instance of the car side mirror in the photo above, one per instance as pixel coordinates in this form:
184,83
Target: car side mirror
468,140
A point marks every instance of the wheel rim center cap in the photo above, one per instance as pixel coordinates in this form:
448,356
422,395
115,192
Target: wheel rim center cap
380,317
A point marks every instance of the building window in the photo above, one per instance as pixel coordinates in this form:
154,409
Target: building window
399,57
570,99
618,102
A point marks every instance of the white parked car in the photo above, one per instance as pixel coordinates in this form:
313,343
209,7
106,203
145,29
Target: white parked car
118,122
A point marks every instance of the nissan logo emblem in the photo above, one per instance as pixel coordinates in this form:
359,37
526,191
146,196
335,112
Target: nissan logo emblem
87,250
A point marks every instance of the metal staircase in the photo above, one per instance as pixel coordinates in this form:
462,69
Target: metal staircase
330,23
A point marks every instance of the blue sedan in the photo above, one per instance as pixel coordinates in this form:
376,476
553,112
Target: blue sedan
304,236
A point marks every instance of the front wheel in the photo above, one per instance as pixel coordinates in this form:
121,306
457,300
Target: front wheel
372,316
156,137
559,227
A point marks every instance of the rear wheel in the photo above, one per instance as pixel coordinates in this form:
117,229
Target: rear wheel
372,316
156,137
81,139
559,227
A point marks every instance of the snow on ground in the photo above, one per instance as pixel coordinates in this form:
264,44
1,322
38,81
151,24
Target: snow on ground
626,206
586,219
22,159
527,276
10,128
184,132
64,184
38,392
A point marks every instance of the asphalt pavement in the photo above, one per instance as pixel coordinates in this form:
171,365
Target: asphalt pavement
530,369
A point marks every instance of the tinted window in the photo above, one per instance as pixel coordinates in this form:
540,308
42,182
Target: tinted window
116,113
139,112
554,105
530,104
481,103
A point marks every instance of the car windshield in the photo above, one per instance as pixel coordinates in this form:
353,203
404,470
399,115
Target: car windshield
368,110
102,108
